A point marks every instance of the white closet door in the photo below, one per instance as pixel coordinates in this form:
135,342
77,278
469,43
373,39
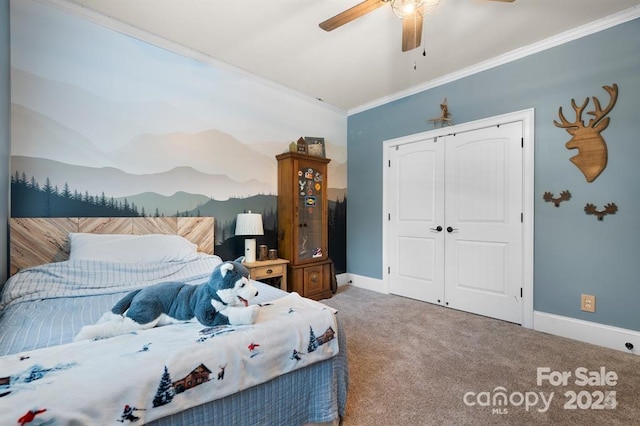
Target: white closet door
454,234
483,225
415,206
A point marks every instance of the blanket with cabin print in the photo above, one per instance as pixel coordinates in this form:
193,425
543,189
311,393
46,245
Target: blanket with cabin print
150,374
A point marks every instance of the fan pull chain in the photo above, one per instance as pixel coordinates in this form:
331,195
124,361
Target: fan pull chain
424,48
424,53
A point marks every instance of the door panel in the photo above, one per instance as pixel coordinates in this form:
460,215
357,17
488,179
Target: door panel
480,179
415,203
472,258
483,252
407,266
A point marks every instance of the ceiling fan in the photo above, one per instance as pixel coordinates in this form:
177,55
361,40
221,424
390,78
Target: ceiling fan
410,11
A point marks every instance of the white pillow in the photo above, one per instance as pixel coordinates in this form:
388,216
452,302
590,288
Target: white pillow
151,248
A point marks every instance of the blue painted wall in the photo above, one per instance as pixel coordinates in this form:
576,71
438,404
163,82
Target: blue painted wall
574,252
5,134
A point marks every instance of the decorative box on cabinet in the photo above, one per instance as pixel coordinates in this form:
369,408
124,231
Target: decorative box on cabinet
303,223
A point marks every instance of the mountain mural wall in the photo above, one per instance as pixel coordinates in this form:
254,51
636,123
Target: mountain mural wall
103,124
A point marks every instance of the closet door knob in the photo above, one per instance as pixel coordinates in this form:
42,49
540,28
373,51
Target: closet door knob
438,228
450,229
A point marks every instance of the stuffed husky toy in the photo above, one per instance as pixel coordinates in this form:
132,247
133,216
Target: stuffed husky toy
219,301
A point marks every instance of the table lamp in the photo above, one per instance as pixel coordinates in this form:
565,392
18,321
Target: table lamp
249,224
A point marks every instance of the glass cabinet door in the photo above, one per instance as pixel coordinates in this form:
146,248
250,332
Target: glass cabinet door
311,224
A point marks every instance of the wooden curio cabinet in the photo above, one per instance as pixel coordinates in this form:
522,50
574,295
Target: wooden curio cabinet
303,223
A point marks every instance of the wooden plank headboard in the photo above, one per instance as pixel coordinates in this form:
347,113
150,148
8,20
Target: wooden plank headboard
35,241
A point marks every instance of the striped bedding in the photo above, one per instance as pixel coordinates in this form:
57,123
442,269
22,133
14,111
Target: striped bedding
32,317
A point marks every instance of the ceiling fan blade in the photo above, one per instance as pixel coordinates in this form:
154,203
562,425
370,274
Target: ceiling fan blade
411,32
350,14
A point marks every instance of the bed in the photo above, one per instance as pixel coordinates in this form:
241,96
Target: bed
293,371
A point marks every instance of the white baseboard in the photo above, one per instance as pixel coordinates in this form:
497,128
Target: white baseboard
367,283
342,279
586,331
571,328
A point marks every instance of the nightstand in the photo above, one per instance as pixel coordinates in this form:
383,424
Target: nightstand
272,272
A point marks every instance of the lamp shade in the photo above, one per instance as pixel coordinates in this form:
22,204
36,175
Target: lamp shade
249,224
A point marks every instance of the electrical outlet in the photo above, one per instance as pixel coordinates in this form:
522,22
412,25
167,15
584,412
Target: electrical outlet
588,303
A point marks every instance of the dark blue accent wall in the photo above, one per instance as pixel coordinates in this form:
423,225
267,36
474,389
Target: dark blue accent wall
574,252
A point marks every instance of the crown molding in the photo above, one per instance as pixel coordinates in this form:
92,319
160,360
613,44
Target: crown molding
135,32
548,43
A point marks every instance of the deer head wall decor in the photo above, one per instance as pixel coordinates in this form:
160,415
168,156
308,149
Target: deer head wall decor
591,146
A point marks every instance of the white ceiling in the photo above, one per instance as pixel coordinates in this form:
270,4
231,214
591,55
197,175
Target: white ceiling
361,63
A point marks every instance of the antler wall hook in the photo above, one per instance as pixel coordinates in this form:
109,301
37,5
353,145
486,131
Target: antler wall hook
564,196
610,208
591,146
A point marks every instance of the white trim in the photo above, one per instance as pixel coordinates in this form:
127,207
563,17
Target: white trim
565,37
570,328
586,331
343,279
367,283
161,42
527,118
528,196
171,46
562,38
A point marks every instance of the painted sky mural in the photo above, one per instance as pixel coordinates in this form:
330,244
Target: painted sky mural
101,119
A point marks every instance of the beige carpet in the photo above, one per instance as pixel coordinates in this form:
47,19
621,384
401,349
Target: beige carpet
412,363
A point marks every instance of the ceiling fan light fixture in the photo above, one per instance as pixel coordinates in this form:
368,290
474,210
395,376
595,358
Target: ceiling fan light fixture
407,8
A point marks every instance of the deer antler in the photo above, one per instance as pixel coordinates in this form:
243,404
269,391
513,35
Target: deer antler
610,208
564,196
578,123
599,114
